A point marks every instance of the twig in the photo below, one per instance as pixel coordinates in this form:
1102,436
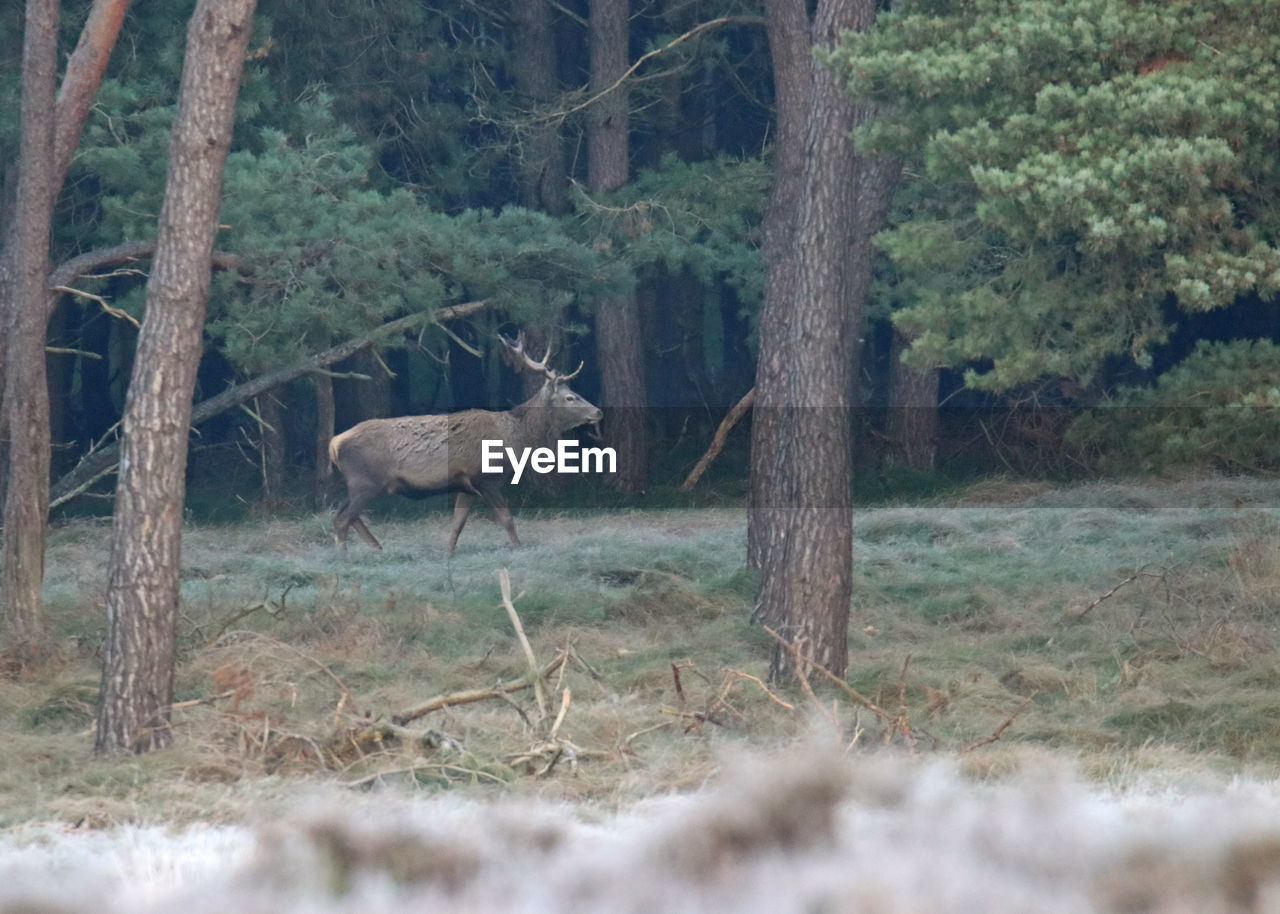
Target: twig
758,681
644,58
504,582
803,662
695,718
196,702
849,690
1141,572
102,302
474,773
901,722
468,696
564,709
999,731
62,350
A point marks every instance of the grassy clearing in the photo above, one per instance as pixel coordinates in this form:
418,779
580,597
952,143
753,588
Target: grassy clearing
1129,628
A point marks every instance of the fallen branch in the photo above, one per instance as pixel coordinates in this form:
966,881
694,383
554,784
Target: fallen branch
504,582
717,442
196,702
1141,572
849,690
468,696
442,769
764,688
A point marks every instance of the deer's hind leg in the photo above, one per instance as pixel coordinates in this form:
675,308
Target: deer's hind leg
461,508
503,513
349,516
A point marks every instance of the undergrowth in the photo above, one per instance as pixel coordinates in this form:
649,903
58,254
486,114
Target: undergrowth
1129,627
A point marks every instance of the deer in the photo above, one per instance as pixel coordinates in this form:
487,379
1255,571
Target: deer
423,455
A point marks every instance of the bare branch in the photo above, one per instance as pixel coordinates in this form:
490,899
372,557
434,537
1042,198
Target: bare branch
645,58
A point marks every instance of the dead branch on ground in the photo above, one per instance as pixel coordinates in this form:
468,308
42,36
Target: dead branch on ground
467,696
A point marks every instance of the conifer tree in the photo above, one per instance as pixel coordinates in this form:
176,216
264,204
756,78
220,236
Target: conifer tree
1093,166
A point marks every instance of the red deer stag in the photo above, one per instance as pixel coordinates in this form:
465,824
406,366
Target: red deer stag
421,455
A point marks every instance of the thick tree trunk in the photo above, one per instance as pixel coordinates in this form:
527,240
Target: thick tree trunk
913,409
50,134
791,52
619,341
544,176
142,591
820,267
26,392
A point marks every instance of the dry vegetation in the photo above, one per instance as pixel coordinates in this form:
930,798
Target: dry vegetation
1130,630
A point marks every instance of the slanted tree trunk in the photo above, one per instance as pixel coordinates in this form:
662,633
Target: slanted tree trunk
801,524
51,129
913,409
142,591
619,341
26,394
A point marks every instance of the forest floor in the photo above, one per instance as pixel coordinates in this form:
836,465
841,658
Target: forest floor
1128,629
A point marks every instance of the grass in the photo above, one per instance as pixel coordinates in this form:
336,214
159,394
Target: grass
1131,628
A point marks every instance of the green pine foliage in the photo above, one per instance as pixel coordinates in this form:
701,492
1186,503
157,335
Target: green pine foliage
1075,168
1218,408
329,256
701,218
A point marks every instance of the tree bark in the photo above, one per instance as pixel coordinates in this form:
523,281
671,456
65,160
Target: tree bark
913,409
544,176
791,52
51,130
142,591
26,392
323,471
619,341
801,523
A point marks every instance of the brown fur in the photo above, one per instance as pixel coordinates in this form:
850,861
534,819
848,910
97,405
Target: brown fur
443,453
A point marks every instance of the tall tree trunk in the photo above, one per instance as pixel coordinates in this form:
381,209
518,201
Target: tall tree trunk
544,176
142,592
323,385
791,53
619,341
26,392
801,523
51,128
913,409
372,397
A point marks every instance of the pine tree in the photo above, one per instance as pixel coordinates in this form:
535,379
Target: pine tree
1088,164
